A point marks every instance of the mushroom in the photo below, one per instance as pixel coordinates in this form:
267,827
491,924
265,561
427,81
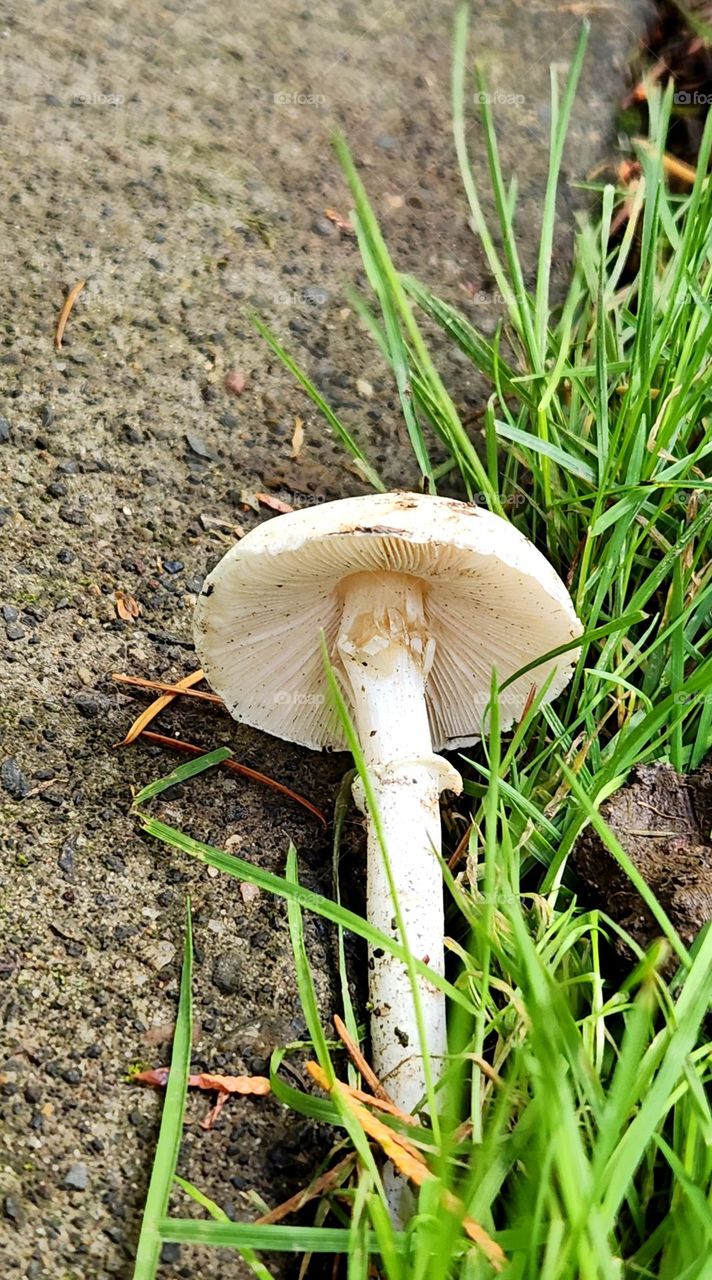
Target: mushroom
418,598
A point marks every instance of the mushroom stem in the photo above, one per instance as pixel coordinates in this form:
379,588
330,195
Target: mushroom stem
386,653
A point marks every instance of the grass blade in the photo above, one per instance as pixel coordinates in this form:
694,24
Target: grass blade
169,1139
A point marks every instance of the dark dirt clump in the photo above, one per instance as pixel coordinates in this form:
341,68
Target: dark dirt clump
663,821
677,48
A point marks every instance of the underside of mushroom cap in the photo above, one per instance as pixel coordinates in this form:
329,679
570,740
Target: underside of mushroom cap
491,601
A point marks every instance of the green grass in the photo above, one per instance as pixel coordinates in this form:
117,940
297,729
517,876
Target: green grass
588,1154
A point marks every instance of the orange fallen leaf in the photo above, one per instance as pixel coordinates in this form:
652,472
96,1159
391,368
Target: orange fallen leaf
274,504
673,167
165,700
163,687
359,1061
257,1085
339,221
158,1077
224,1086
66,312
409,1162
297,437
127,607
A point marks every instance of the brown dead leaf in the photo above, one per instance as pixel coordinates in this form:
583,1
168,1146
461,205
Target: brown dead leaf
65,313
252,1085
247,1085
224,1086
339,221
326,1182
165,700
408,1161
297,437
359,1061
162,687
274,504
127,607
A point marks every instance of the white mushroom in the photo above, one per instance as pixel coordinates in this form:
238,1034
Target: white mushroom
419,598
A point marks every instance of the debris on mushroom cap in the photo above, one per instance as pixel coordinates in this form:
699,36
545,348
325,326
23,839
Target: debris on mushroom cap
491,600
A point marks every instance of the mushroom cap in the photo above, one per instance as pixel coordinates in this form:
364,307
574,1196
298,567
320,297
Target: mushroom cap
491,600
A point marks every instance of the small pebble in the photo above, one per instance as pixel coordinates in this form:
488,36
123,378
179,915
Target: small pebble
197,446
91,704
322,227
13,779
315,295
14,1211
227,970
14,631
65,861
72,515
173,566
77,1179
5,430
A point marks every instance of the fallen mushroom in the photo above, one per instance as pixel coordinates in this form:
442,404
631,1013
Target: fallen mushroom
419,598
